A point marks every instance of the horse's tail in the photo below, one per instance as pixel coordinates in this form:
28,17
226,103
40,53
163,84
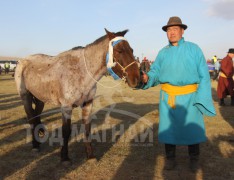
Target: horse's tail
19,79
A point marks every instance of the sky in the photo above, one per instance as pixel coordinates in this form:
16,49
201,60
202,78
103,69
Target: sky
53,26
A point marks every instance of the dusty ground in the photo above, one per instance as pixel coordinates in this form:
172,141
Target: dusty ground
125,123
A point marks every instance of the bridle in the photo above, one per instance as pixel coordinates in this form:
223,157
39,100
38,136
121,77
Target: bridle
125,73
111,60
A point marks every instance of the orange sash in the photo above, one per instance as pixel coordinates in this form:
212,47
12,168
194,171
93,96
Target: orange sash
174,91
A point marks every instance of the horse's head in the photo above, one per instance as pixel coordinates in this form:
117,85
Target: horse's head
120,59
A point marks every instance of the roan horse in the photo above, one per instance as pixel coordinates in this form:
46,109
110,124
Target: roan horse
65,80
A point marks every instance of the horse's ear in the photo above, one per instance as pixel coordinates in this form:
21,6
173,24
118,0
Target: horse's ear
110,34
122,33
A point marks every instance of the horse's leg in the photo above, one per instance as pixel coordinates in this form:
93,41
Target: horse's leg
27,99
39,106
86,111
66,131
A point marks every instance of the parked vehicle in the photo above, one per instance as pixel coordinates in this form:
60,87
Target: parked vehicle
13,64
211,68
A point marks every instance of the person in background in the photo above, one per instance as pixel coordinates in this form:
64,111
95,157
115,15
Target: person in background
217,68
7,67
180,67
138,62
214,59
145,59
225,83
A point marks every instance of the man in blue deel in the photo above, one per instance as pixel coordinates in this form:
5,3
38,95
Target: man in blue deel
181,70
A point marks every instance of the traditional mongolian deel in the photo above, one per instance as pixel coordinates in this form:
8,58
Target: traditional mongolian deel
226,83
189,79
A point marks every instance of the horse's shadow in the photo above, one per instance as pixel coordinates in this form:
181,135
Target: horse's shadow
22,151
126,115
10,102
45,115
129,116
6,95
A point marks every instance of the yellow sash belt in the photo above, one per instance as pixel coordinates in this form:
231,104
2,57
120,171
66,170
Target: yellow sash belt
174,91
222,75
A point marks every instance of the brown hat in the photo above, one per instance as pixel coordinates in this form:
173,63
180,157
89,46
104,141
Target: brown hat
174,21
231,51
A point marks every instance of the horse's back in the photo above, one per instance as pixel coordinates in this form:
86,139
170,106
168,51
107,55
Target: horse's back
28,68
46,77
38,57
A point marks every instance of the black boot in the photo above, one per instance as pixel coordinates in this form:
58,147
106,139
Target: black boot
170,156
232,101
221,103
194,152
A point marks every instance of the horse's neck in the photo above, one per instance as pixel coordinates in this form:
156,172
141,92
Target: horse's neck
95,59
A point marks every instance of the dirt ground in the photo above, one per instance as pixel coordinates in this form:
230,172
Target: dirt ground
124,133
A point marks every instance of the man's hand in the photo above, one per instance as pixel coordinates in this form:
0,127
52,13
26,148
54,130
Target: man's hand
144,77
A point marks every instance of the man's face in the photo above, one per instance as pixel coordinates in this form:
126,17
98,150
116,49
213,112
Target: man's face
174,34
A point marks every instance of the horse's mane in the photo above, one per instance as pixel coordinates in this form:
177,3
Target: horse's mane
95,42
77,47
120,33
